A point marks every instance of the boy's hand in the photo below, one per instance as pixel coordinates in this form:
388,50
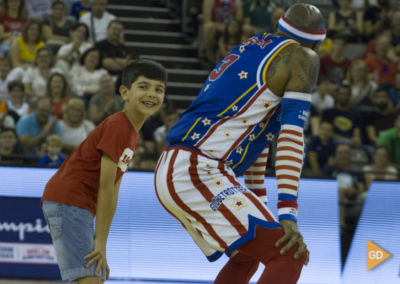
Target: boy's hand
292,236
99,255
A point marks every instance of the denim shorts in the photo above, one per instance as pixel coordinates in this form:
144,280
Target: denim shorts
72,231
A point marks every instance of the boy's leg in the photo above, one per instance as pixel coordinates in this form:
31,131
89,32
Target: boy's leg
239,269
279,269
72,234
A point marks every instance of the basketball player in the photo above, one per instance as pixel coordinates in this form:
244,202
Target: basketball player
87,183
259,91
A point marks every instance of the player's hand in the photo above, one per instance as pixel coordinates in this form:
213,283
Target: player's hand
98,255
291,237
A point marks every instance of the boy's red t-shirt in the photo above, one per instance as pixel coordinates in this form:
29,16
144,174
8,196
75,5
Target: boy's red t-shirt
77,181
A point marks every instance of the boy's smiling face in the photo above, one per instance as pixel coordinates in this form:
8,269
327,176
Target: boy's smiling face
145,96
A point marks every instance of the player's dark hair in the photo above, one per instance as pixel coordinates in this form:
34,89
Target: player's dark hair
142,67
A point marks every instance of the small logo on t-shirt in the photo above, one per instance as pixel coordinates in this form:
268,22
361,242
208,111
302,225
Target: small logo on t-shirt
125,158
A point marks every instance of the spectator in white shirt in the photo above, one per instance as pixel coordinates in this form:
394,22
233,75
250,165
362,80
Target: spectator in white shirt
70,53
35,78
86,76
98,20
74,127
16,106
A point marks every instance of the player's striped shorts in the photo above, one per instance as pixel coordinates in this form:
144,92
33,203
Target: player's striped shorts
206,197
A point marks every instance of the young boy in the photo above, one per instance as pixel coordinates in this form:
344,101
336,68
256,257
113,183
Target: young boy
87,183
53,156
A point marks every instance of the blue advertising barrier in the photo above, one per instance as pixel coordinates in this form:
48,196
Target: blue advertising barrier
379,223
25,242
146,243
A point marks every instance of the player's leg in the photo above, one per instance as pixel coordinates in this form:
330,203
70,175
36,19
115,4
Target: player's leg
279,269
71,230
239,269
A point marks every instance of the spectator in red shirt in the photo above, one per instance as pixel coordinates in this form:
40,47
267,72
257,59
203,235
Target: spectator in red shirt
12,21
13,18
335,64
383,68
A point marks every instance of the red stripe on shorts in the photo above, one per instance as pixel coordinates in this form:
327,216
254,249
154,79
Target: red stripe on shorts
178,200
208,195
164,154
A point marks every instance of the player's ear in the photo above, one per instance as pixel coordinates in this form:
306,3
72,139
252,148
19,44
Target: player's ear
124,93
316,46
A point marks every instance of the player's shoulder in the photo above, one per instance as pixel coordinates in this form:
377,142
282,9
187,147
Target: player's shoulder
304,69
297,52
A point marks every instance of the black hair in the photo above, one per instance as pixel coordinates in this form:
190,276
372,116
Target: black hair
49,51
79,24
7,129
56,3
143,67
115,22
15,84
83,57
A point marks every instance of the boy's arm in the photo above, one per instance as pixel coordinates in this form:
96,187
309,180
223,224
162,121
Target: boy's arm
106,205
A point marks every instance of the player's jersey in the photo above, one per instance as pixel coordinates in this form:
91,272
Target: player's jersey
77,181
235,114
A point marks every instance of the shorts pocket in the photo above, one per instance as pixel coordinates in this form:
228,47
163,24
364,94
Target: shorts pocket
55,226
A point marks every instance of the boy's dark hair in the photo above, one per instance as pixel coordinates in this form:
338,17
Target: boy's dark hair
15,84
142,67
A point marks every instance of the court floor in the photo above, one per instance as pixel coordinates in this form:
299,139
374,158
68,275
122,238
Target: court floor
21,281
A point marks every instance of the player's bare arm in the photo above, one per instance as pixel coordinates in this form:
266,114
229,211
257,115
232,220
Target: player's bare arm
304,70
303,66
106,205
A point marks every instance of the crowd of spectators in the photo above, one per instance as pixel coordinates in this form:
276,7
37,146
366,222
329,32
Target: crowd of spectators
60,66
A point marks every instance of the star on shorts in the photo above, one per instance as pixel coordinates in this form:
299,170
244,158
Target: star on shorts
239,203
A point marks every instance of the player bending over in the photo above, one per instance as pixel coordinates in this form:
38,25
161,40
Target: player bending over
260,90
